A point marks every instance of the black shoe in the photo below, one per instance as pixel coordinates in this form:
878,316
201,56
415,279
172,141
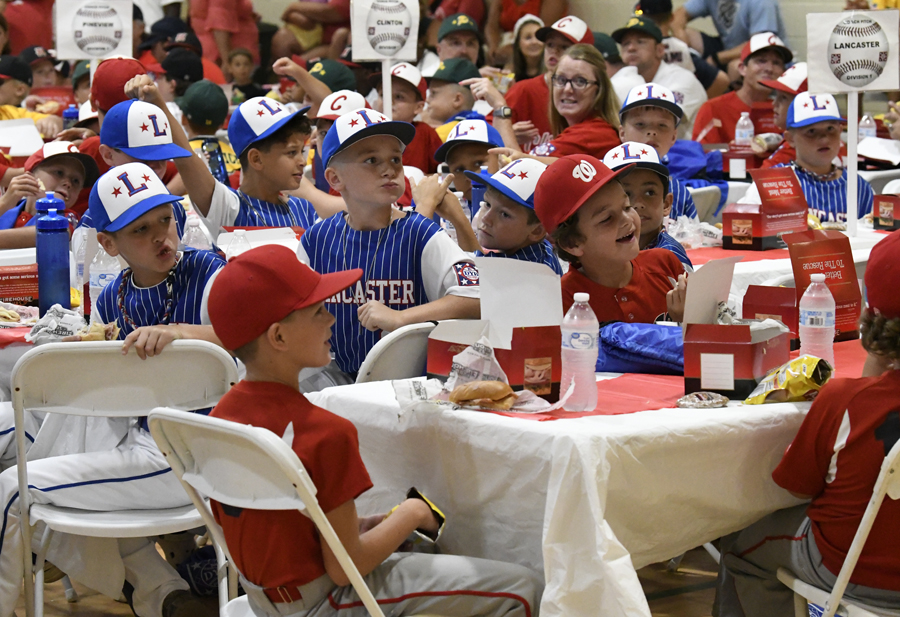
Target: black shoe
182,603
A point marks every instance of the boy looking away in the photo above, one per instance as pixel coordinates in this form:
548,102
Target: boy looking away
291,571
204,107
650,115
466,149
581,204
647,187
509,227
413,272
15,84
448,101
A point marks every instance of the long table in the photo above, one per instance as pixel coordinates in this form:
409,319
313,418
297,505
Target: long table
585,500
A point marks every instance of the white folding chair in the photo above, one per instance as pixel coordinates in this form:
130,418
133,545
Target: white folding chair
888,483
95,379
246,467
400,354
706,199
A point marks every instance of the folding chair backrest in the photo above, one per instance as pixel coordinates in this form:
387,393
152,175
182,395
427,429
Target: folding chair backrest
401,354
94,378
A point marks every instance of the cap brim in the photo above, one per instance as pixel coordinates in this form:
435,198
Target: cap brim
269,131
497,186
670,107
786,54
163,152
403,131
329,285
91,173
140,209
659,168
543,33
441,153
809,121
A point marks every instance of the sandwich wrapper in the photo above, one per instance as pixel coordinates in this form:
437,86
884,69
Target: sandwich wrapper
56,324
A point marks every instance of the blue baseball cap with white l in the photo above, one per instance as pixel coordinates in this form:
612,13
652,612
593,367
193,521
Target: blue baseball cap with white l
639,155
517,180
809,109
469,131
359,124
256,119
124,194
141,130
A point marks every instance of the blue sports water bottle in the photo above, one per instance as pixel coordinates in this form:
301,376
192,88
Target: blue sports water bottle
478,190
216,159
53,261
50,202
70,116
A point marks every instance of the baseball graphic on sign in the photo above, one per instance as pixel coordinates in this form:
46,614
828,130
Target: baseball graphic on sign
388,26
98,28
857,50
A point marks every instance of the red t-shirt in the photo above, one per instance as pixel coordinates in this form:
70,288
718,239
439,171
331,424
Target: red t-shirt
530,100
212,72
472,8
420,152
233,16
836,457
275,548
594,136
642,300
30,23
727,109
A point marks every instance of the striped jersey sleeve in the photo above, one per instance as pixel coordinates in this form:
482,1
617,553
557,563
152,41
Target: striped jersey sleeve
229,207
540,252
146,306
665,241
682,202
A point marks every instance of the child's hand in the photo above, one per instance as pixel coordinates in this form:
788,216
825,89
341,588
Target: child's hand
25,186
428,521
484,90
143,88
525,131
49,126
374,316
429,193
75,134
149,341
675,299
286,66
893,117
508,155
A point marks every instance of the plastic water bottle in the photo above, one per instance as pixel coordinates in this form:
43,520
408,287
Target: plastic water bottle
580,331
80,255
478,191
195,237
817,320
239,244
52,249
70,116
104,270
867,127
743,130
215,159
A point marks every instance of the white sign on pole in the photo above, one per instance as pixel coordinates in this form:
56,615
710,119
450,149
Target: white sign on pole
384,30
93,29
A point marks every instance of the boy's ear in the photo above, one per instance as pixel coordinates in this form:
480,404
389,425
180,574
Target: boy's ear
789,137
108,242
622,131
537,233
574,248
333,177
459,101
420,107
106,154
667,204
254,159
275,338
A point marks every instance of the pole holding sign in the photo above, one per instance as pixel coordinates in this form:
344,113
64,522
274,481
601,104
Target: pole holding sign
93,29
853,52
385,31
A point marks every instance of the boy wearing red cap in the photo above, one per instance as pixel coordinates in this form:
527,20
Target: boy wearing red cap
791,83
289,569
763,58
833,461
581,204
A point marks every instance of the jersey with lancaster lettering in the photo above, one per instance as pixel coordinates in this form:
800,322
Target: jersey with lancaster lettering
177,211
234,207
408,263
539,253
682,202
665,241
828,199
178,299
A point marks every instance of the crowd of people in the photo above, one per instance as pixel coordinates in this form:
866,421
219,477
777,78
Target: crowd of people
579,140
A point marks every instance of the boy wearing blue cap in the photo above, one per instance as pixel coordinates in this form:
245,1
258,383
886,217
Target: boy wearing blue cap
412,271
466,149
814,126
648,190
508,226
154,301
650,115
269,141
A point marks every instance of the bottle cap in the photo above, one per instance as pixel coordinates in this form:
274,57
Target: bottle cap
817,278
52,221
44,204
582,297
240,232
193,223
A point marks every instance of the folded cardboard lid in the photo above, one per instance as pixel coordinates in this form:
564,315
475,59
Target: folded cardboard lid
707,286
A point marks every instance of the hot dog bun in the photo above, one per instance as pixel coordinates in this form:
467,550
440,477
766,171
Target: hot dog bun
484,394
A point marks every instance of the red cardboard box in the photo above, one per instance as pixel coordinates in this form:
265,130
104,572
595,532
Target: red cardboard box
731,360
828,252
780,303
760,227
886,212
19,285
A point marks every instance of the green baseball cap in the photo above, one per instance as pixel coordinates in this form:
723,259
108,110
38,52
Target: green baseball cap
455,70
333,74
81,69
458,22
638,24
606,46
204,104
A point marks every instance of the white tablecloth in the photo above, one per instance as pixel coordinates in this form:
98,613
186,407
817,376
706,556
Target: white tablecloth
587,500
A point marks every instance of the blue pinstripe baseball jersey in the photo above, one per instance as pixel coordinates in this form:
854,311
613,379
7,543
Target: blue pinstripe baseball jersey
682,202
828,200
260,213
539,252
665,241
147,306
399,263
177,210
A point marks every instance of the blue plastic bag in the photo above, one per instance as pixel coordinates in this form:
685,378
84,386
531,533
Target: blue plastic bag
641,348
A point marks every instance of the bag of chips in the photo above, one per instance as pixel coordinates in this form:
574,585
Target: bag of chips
798,380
